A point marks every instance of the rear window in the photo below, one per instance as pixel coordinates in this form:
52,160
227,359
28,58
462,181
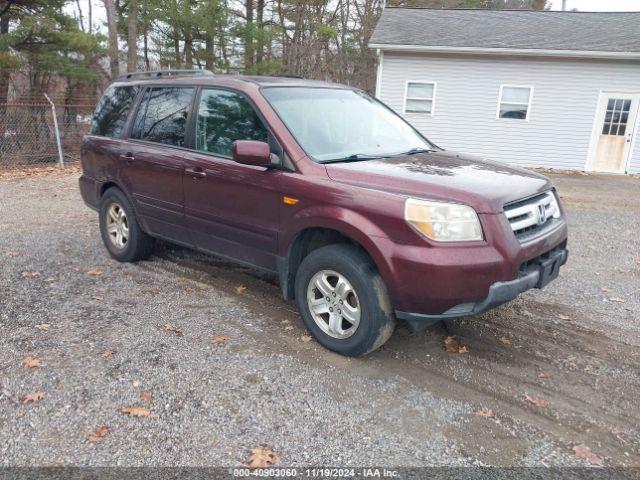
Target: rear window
162,116
111,113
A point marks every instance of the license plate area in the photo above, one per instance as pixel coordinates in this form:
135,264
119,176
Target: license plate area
549,270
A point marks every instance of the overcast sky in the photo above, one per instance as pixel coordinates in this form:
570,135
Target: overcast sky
598,5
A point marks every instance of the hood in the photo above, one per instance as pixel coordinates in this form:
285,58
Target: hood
485,185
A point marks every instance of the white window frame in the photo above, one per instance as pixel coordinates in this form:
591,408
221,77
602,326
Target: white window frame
432,99
528,104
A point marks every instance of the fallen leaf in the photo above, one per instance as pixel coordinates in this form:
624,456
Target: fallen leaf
42,326
544,375
170,328
262,457
218,339
584,452
305,338
536,401
617,299
13,254
485,412
288,327
605,289
98,298
153,292
30,274
108,352
94,272
136,411
146,396
98,434
31,362
50,279
33,397
564,317
504,341
240,288
451,345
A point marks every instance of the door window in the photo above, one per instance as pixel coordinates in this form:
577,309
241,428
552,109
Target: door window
616,116
112,111
223,118
162,115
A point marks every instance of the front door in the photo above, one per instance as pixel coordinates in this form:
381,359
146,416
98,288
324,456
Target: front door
615,129
231,209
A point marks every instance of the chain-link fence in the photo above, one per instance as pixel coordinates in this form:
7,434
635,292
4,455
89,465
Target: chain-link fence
28,133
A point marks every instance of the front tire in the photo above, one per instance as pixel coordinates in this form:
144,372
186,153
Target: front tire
343,301
122,236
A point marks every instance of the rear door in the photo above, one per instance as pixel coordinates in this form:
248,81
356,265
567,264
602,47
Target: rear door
231,209
152,165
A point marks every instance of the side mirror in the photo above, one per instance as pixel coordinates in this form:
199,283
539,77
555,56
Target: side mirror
251,152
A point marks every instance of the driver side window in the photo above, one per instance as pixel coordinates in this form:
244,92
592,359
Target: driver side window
223,118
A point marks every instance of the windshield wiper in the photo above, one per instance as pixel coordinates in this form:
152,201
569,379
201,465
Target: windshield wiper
413,151
356,157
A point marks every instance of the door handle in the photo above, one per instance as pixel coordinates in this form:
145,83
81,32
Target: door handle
196,172
128,157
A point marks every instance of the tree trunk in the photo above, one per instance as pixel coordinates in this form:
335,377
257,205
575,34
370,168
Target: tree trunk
210,58
112,27
176,48
80,16
260,26
90,15
188,48
145,36
248,39
132,37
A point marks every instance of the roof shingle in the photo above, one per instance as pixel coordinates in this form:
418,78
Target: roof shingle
512,29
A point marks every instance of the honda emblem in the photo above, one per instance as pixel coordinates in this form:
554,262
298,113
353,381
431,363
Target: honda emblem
542,214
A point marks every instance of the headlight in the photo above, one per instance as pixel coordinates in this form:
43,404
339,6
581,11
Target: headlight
443,222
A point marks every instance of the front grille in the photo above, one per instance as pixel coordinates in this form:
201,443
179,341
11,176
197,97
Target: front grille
533,216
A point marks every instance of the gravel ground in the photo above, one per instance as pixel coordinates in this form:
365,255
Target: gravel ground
97,328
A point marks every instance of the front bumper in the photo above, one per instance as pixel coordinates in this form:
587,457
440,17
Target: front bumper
534,274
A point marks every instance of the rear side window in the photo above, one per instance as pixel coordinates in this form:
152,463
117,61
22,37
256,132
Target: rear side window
162,116
111,113
223,118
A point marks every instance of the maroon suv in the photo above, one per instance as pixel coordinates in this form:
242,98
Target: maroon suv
362,218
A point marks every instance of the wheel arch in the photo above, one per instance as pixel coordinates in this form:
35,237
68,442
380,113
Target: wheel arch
319,233
112,184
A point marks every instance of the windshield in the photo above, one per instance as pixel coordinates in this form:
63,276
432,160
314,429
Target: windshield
340,124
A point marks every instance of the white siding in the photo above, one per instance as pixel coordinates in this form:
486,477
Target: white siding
563,107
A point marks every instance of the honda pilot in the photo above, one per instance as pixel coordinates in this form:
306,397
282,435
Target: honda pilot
363,219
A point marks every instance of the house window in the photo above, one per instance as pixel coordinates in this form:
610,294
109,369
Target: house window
515,102
419,97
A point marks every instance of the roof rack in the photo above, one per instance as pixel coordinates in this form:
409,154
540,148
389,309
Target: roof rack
164,73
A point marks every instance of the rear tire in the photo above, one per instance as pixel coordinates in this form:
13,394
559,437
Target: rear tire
352,313
122,236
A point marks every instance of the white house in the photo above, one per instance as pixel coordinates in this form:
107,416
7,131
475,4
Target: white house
532,88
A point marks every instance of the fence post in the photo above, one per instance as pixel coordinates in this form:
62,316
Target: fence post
55,125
